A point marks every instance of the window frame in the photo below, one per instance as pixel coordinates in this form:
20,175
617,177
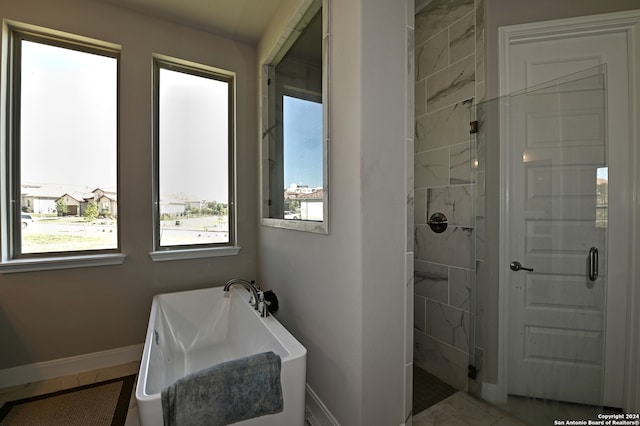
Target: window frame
189,251
11,257
271,142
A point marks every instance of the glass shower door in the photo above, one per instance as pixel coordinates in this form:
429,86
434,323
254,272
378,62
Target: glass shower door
548,340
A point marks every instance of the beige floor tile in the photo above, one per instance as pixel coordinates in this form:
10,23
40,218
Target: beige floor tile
67,382
453,411
509,421
492,410
462,409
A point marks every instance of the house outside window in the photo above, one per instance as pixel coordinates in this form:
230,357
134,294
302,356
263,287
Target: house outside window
62,140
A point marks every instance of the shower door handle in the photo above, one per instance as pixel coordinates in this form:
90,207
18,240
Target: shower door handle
517,266
593,263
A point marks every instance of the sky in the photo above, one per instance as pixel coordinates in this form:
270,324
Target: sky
302,142
68,117
69,124
603,172
194,137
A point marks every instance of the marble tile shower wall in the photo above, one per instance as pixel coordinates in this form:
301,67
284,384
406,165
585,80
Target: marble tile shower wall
449,63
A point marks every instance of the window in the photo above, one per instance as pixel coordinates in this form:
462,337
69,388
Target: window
194,206
295,141
602,197
62,146
302,146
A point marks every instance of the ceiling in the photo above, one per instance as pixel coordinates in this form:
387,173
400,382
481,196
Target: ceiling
243,20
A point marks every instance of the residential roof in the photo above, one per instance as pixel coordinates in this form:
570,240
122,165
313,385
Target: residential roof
53,190
57,191
315,195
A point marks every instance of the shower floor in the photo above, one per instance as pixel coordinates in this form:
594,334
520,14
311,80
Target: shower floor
428,390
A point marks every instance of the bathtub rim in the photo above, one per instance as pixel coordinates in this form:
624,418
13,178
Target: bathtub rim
292,346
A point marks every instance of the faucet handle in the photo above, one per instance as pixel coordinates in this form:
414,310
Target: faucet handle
253,301
263,305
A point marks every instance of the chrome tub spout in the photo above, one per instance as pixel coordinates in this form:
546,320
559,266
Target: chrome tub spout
249,285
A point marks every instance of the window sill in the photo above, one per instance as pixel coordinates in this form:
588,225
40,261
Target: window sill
66,262
297,225
166,255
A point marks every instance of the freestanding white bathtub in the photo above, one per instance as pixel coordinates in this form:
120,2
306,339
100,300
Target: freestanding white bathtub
192,330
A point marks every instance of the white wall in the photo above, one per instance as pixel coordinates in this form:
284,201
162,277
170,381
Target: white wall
343,294
58,314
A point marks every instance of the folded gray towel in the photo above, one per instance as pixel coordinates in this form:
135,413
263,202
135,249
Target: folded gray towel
225,393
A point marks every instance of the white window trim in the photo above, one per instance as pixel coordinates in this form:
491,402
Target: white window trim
33,264
196,253
185,252
268,64
63,262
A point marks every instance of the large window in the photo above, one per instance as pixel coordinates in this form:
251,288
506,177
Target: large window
60,189
194,157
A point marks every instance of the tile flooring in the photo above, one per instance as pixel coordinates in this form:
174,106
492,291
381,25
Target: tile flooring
544,412
67,382
455,408
428,390
461,409
437,403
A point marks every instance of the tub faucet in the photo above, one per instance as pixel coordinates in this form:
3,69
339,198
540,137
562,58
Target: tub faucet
258,302
249,285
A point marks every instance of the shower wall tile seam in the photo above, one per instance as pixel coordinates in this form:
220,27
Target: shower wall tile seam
444,264
447,67
447,28
420,300
448,169
439,109
460,70
440,302
444,186
443,147
439,33
449,346
448,305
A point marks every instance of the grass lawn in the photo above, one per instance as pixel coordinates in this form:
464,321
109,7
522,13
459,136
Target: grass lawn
57,242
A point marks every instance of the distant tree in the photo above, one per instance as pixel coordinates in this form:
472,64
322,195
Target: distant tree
91,212
217,209
62,208
291,205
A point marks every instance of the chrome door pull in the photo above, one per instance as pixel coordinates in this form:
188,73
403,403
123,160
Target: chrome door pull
516,266
593,263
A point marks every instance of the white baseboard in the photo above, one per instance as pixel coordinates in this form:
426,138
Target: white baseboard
66,366
320,414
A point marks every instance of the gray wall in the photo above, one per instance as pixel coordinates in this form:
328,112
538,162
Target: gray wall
58,314
343,295
512,12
